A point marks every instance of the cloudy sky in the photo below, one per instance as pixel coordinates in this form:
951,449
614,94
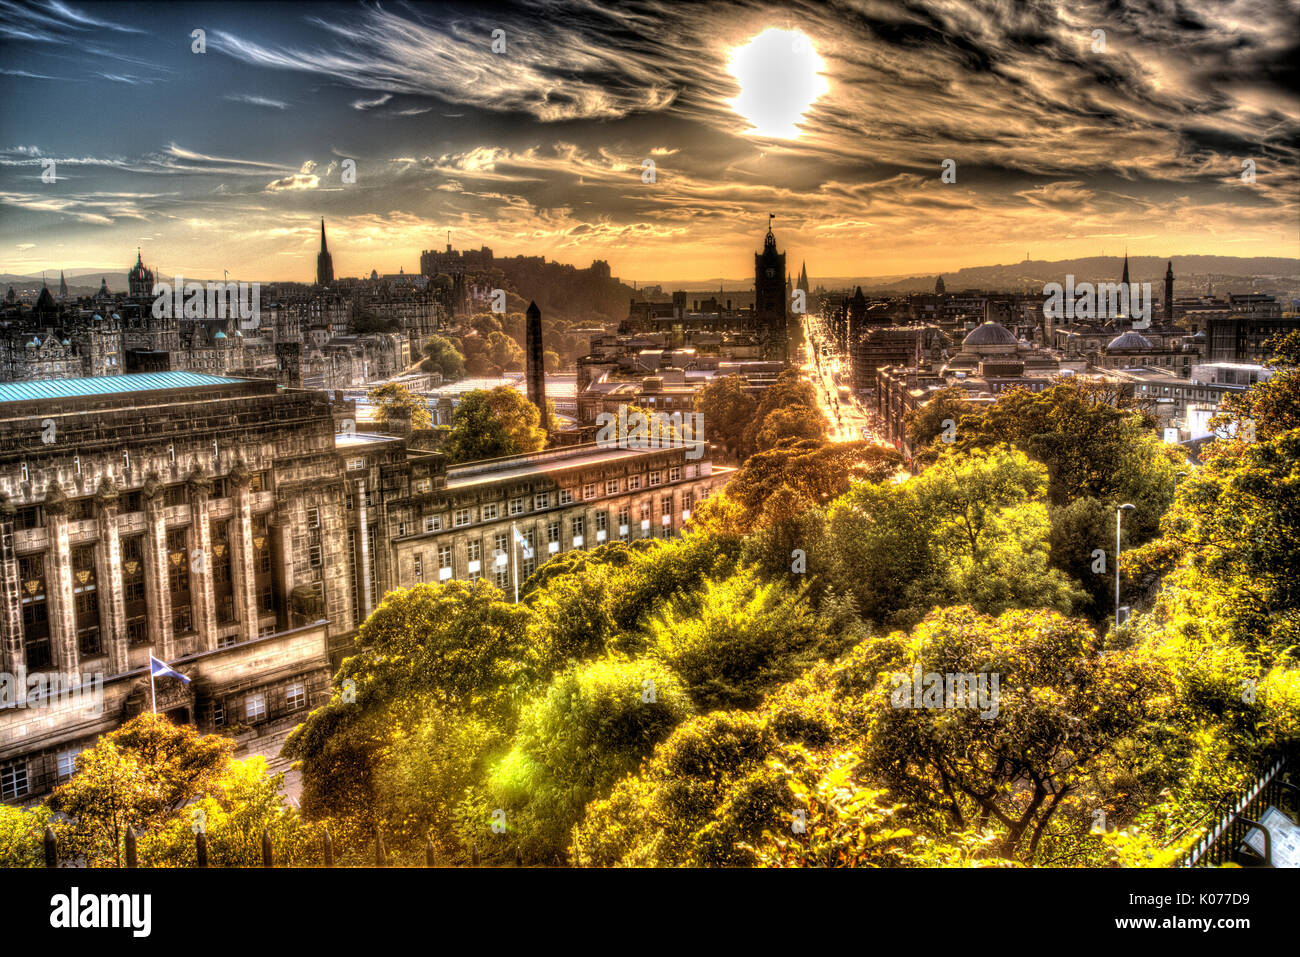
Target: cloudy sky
835,116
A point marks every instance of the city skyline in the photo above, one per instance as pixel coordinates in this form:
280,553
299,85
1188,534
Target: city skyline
226,160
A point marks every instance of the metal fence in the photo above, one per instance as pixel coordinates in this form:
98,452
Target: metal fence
1225,843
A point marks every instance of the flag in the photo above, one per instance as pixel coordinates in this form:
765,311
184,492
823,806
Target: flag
522,542
159,669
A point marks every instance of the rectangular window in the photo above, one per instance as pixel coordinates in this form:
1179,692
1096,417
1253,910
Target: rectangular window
13,779
255,707
474,552
356,464
314,556
423,486
296,696
68,763
566,497
542,500
462,517
623,515
313,518
645,511
656,477
218,713
552,531
633,483
502,543
516,506
577,526
692,471
489,512
444,556
675,473
503,577
602,521
136,632
666,506
589,491
433,523
688,499
418,562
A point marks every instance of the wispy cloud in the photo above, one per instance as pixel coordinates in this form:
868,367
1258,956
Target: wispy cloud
256,100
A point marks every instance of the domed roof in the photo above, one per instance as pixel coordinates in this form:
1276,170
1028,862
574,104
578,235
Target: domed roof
219,335
1129,342
989,334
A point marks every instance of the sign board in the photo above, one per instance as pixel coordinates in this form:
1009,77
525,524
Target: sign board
1284,835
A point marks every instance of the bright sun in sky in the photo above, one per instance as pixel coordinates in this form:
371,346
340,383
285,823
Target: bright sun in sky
780,77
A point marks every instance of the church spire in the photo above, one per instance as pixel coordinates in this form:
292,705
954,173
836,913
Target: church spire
1124,278
324,261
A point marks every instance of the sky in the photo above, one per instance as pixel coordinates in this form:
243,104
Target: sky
836,117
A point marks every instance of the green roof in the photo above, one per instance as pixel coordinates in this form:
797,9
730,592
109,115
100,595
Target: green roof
107,385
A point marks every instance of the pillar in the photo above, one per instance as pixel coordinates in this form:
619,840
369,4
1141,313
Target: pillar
108,559
58,586
200,558
158,596
11,615
243,560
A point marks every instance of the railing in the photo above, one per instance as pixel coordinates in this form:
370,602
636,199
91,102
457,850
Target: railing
1223,843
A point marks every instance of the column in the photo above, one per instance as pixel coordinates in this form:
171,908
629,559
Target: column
108,560
243,560
282,562
58,585
157,589
11,615
200,558
363,548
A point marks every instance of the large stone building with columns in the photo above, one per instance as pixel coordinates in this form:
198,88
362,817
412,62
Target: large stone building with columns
241,531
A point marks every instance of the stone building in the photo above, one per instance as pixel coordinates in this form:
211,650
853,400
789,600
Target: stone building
241,531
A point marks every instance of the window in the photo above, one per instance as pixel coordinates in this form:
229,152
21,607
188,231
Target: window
577,526
502,543
589,491
516,506
313,518
474,552
296,696
419,568
666,506
462,517
623,515
423,486
566,496
444,556
433,523
633,483
136,632
356,464
218,713
688,499
314,556
611,487
675,473
489,512
68,762
692,471
503,577
645,511
401,529
552,531
255,707
602,521
656,477
13,779
542,500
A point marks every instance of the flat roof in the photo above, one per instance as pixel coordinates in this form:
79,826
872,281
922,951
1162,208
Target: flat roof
108,385
510,470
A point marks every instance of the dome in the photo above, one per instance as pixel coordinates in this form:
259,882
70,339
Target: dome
219,335
98,318
1129,342
989,334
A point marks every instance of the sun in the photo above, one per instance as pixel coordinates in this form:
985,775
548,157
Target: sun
780,77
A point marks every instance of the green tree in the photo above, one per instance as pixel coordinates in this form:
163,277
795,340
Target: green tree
22,833
138,775
393,400
442,356
492,423
728,410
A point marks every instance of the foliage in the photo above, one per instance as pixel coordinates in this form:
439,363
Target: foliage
392,400
491,423
22,835
442,356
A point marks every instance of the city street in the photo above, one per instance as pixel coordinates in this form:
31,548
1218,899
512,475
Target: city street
830,374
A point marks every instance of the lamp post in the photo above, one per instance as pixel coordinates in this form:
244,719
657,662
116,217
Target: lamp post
1119,515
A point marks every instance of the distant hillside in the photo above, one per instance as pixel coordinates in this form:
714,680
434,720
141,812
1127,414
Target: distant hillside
562,291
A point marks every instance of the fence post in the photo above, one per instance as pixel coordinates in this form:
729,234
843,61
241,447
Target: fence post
267,857
430,857
131,860
201,848
51,849
474,856
381,858
328,846
519,858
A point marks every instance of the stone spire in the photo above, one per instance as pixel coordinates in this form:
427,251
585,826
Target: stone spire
1169,293
534,363
324,262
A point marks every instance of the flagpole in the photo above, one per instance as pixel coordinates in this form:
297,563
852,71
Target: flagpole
153,697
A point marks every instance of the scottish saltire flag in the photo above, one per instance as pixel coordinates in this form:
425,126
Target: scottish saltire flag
522,542
160,669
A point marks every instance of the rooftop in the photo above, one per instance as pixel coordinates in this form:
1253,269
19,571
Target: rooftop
107,385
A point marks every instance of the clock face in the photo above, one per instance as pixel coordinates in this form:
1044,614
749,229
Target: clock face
771,273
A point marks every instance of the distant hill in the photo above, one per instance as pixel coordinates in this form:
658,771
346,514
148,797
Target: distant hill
562,291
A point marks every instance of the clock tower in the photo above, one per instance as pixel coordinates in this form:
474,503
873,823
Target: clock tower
770,305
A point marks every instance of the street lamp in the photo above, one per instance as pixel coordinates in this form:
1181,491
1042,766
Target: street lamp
1119,514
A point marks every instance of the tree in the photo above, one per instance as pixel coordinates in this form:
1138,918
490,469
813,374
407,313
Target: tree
442,356
733,639
925,424
785,426
728,410
393,400
504,353
138,775
594,724
22,832
1007,752
493,423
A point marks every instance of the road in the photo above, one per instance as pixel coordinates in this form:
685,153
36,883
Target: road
832,377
